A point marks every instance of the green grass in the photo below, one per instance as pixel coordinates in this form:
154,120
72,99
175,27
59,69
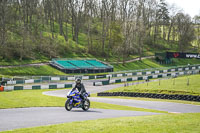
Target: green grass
146,63
47,70
33,70
169,123
13,62
35,98
17,62
151,63
178,62
28,98
169,86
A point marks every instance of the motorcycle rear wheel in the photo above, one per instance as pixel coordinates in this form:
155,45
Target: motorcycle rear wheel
68,106
86,105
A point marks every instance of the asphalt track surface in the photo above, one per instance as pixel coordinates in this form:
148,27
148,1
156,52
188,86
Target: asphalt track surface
33,117
156,105
40,116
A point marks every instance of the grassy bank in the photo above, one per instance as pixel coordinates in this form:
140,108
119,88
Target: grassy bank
170,123
32,71
181,85
47,70
13,62
151,63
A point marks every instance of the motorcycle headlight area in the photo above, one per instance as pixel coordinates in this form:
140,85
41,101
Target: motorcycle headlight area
68,93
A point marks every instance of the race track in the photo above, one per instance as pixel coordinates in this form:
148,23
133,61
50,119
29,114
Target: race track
157,105
40,116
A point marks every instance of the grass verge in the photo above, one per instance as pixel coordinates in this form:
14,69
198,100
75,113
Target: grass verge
186,85
18,62
32,71
169,123
47,70
151,63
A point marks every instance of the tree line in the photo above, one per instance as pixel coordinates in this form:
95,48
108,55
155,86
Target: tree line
112,27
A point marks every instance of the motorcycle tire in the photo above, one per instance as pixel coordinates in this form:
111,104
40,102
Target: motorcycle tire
86,105
68,106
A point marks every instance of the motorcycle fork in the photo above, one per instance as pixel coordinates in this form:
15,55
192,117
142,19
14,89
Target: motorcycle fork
71,101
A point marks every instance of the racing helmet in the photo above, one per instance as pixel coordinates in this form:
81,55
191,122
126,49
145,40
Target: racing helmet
78,81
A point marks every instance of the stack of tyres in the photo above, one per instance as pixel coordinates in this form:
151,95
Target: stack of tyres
189,98
166,96
194,98
198,98
162,96
171,96
146,94
136,94
175,97
126,94
152,95
184,97
115,94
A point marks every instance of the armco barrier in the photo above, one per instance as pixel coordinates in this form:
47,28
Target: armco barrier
52,86
18,87
152,95
164,75
34,87
138,73
37,81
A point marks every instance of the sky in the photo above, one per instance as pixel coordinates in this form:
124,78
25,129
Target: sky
191,7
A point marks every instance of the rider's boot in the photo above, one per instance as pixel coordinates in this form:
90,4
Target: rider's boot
82,101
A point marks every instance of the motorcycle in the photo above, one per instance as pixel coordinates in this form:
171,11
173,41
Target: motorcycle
75,101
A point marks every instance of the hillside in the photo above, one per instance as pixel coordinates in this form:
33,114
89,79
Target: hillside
69,30
136,65
60,29
71,49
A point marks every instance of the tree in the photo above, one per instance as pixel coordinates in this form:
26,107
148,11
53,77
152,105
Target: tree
140,27
126,10
197,26
3,21
185,31
76,13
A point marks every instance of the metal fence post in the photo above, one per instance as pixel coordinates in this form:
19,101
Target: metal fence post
188,82
174,82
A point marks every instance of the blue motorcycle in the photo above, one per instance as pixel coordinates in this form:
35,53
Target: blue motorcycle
75,101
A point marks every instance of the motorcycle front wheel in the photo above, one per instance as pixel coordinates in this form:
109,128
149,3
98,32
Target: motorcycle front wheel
68,106
86,105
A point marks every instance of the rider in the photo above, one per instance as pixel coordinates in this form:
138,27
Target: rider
80,88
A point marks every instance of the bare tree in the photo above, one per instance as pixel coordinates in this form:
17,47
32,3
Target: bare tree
3,21
197,27
76,7
185,31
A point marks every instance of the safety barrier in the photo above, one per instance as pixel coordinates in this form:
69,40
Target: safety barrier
127,74
35,87
152,95
153,76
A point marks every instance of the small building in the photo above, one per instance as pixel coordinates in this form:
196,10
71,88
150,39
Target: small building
162,58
